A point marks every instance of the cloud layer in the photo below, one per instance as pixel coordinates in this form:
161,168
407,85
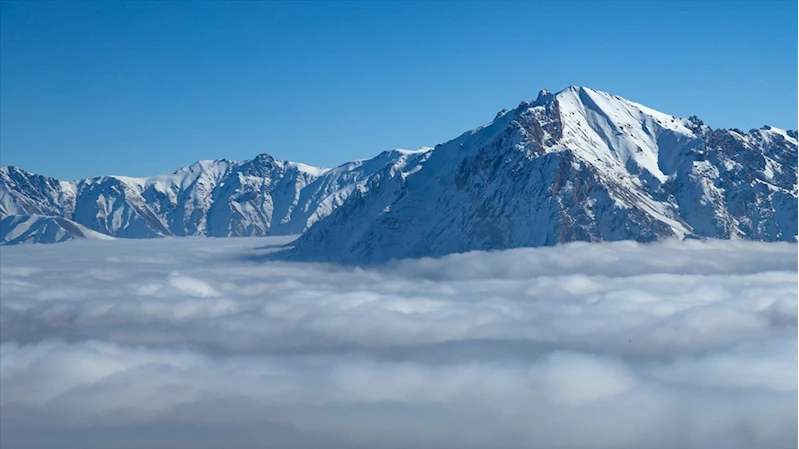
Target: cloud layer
195,343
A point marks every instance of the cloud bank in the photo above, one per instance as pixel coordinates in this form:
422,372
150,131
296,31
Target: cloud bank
195,343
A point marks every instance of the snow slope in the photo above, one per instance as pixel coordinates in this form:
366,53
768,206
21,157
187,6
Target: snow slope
577,165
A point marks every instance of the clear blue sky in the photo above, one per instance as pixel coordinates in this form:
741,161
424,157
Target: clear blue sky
145,87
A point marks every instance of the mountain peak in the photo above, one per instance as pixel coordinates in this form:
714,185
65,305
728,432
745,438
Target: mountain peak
14,169
579,88
544,96
264,157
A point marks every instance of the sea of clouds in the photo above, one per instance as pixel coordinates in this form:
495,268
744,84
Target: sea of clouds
193,343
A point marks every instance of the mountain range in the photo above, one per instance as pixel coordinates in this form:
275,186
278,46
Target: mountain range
221,198
578,165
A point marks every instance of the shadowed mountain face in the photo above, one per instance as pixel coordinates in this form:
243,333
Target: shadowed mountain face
579,165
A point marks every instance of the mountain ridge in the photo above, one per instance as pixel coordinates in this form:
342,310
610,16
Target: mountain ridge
211,197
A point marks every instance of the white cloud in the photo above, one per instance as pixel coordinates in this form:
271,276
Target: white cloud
197,343
191,286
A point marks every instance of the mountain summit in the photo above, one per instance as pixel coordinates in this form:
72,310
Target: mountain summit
578,165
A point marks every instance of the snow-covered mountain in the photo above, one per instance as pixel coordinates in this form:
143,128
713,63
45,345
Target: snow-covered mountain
576,165
215,198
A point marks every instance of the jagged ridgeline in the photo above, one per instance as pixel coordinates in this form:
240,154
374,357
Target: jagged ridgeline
579,165
221,198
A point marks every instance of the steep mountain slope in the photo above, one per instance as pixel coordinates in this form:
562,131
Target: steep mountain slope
16,229
577,165
215,198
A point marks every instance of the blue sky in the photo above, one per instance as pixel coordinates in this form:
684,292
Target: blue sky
142,88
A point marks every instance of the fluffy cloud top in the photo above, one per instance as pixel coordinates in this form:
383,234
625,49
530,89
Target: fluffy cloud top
200,343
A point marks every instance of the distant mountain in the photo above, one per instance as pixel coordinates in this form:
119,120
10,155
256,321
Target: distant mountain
577,165
214,198
16,229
